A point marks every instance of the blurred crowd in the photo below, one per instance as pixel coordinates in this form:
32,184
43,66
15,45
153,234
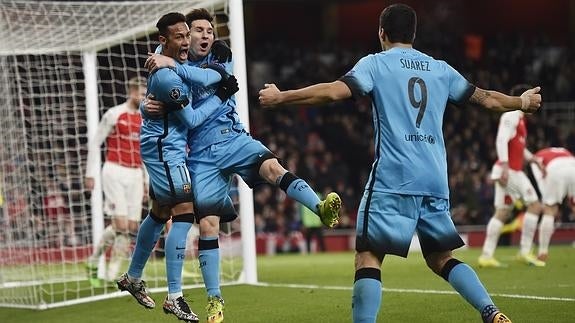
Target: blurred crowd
331,147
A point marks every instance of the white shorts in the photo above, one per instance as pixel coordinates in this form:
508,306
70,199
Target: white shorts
123,190
559,182
518,187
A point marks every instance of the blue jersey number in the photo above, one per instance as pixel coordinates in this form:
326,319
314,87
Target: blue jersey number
421,104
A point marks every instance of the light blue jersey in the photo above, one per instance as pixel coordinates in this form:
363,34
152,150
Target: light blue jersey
409,91
163,141
221,126
219,148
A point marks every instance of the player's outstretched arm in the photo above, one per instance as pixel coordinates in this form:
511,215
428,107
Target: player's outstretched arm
320,93
528,102
191,74
192,118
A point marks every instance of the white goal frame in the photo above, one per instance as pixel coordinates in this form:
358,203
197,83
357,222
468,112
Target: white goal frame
88,50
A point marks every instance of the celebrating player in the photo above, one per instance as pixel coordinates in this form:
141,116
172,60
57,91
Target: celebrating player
220,148
407,191
163,143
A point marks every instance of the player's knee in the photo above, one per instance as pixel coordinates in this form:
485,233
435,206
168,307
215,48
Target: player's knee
535,207
120,224
209,225
502,214
437,261
447,267
367,259
271,169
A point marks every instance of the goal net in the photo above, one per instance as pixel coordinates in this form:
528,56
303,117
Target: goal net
62,65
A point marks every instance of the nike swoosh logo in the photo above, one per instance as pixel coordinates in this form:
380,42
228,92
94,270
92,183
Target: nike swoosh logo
260,155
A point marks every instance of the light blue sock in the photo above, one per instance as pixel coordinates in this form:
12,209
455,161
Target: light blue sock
209,257
465,281
148,234
175,254
367,295
297,189
366,300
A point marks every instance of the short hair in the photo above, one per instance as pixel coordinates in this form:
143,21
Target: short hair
199,14
399,22
136,82
518,89
168,20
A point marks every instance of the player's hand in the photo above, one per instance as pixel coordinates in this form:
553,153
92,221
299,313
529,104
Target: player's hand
146,193
89,183
539,162
531,100
504,179
228,87
269,95
221,51
153,108
156,61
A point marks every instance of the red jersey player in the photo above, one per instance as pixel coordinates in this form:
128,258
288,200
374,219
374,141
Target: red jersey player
123,177
556,183
511,183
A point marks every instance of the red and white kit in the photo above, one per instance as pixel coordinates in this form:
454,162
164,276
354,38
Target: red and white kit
510,146
559,181
122,173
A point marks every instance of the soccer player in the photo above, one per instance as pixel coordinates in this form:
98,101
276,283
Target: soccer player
511,183
407,191
220,148
555,183
163,144
123,178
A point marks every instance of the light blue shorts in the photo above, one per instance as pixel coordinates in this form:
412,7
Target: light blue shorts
211,170
170,182
386,223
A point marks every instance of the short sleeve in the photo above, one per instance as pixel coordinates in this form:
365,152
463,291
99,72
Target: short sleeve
460,90
168,87
360,78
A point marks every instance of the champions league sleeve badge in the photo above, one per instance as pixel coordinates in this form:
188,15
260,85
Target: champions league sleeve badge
175,94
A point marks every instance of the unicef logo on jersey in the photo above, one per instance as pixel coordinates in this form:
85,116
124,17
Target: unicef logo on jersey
430,139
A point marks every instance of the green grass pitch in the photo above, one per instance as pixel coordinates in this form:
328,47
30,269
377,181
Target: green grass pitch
317,288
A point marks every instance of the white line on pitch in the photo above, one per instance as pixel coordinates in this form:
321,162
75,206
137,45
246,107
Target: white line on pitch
419,291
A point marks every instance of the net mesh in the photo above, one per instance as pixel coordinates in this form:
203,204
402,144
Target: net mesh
45,224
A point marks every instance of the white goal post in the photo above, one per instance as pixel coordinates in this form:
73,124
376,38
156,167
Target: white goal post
62,65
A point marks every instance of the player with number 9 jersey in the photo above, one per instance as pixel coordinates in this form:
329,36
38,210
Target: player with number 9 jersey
410,91
407,191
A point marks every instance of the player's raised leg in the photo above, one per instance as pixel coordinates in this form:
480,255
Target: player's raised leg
299,190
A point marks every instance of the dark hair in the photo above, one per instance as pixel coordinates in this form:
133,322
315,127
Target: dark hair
518,89
168,20
199,14
136,82
398,22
